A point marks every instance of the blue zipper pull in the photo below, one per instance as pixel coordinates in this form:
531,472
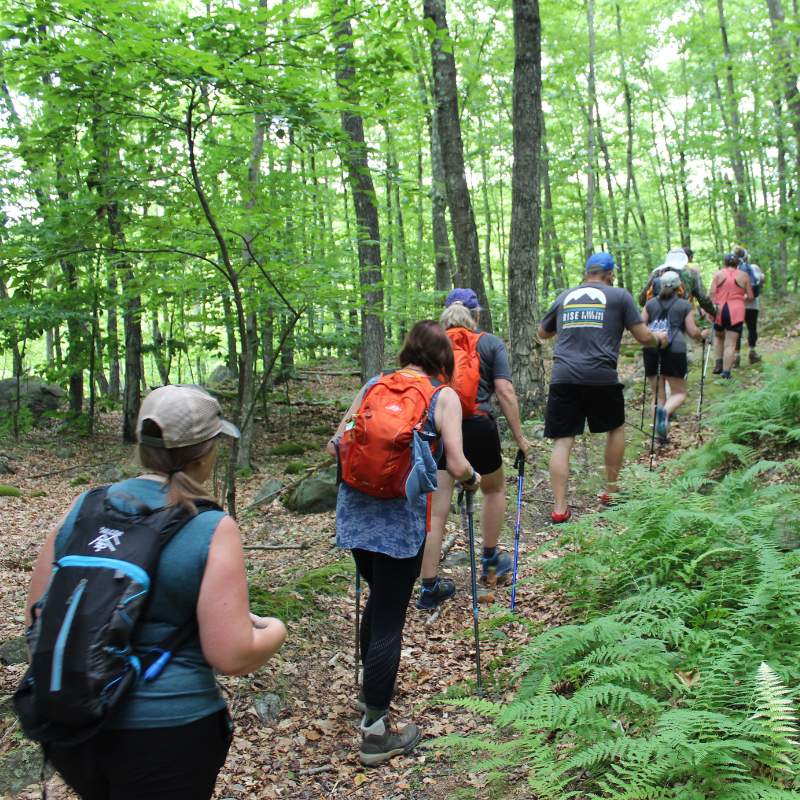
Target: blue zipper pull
157,667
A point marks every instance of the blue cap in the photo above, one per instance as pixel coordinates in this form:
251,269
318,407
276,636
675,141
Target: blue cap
466,297
604,261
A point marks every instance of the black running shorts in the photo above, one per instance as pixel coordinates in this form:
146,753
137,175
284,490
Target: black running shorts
481,445
725,323
673,365
570,405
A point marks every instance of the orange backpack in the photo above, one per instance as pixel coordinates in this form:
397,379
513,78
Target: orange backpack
467,373
375,449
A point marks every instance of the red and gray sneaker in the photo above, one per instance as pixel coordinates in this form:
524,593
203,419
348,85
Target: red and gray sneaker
557,519
379,742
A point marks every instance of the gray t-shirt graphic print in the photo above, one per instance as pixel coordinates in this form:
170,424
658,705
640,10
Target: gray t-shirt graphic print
589,320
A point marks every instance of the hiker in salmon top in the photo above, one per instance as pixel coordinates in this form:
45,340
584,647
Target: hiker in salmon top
481,370
169,735
589,321
387,444
730,289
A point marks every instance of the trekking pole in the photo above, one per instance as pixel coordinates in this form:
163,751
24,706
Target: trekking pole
644,397
470,512
706,353
358,622
655,412
520,465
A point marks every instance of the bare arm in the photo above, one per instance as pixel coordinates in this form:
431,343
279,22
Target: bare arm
747,286
543,334
645,316
691,327
507,398
448,423
43,568
230,642
330,448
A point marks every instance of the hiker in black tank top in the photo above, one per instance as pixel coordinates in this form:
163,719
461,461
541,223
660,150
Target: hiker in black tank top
675,316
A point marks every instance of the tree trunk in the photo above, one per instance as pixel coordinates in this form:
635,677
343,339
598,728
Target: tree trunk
613,245
559,278
445,266
112,329
523,251
363,189
462,218
732,124
780,275
588,246
487,212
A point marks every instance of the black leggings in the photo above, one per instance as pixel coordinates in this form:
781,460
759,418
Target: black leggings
391,581
751,320
179,763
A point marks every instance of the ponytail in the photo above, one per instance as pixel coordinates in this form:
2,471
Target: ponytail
183,490
665,292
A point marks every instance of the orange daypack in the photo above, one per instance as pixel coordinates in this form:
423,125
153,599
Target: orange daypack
467,372
375,449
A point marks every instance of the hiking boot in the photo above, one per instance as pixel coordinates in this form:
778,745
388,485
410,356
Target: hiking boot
737,362
442,590
726,374
754,357
379,742
500,564
661,421
717,367
361,702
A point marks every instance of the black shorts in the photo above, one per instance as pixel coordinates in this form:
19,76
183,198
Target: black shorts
569,405
673,365
725,322
481,445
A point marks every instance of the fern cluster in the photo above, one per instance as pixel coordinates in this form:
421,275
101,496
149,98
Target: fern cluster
678,677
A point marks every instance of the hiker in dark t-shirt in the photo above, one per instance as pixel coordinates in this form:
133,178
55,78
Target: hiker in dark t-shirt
675,316
589,321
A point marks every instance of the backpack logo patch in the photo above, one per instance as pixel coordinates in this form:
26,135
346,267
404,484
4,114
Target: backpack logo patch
108,539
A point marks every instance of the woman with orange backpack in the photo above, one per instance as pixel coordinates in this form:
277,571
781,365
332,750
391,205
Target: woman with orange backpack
481,370
386,445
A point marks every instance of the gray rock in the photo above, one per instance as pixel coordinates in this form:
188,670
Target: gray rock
315,494
63,452
5,468
112,475
20,768
221,374
14,651
268,491
37,396
268,706
456,558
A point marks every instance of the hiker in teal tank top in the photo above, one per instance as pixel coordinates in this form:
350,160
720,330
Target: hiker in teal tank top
169,737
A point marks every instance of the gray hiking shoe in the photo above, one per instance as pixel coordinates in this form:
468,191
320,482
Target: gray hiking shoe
379,742
496,570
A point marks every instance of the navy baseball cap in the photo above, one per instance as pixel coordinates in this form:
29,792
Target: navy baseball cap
604,261
466,297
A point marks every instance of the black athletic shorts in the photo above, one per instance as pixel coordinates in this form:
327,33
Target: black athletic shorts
673,365
481,445
725,322
569,405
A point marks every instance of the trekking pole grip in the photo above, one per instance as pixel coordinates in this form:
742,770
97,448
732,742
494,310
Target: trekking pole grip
519,463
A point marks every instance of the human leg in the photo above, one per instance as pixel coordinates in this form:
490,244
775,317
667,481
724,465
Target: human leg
614,455
364,565
559,472
677,394
79,766
719,343
729,351
391,588
493,507
440,509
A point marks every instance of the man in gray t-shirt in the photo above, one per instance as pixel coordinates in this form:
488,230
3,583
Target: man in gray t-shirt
589,321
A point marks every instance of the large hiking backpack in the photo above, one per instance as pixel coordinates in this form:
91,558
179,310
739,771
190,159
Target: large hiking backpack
755,277
654,287
467,372
375,448
80,640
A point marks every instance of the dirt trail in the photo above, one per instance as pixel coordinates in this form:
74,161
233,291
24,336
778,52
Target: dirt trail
310,750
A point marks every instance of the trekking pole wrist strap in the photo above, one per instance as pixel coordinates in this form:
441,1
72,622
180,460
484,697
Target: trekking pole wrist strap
471,480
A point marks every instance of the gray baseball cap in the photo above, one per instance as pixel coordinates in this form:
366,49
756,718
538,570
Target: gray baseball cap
186,415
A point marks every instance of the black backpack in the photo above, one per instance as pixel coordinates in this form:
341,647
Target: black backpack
80,640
